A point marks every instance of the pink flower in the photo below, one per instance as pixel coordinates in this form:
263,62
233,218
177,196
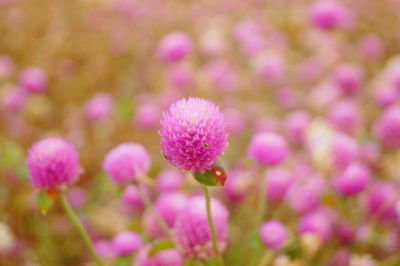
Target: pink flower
99,107
387,127
169,181
125,162
327,14
273,234
192,233
193,134
126,243
174,47
33,79
353,180
278,182
268,149
131,199
53,163
168,206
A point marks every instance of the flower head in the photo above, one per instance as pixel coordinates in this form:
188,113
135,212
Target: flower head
33,79
53,163
125,162
192,233
168,207
193,134
387,127
99,107
273,234
268,148
353,180
126,243
174,47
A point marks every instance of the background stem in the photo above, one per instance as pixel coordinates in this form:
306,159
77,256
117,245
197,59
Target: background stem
218,257
149,205
75,220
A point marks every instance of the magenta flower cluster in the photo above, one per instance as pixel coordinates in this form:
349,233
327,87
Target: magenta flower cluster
193,134
53,163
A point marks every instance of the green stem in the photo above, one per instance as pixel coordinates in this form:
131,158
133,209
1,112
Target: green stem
149,205
266,258
218,257
261,205
78,225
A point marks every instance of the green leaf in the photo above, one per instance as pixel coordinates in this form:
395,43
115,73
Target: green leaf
124,261
216,176
160,246
44,202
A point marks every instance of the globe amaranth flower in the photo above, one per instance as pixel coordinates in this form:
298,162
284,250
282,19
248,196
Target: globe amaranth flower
193,134
167,257
169,181
278,183
192,233
53,163
353,179
168,206
33,79
174,47
125,162
273,234
387,127
99,107
131,200
126,243
268,148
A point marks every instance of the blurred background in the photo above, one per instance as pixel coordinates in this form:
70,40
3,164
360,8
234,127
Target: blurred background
101,72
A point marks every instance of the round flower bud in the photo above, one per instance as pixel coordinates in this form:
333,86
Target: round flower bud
268,149
381,202
296,124
53,163
98,107
344,150
353,180
131,199
387,127
181,76
235,122
237,186
125,162
327,14
193,134
174,47
278,182
104,249
192,233
126,243
33,79
13,99
169,181
269,67
167,257
371,46
317,223
345,116
273,234
77,197
386,96
221,76
168,206
147,116
348,78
